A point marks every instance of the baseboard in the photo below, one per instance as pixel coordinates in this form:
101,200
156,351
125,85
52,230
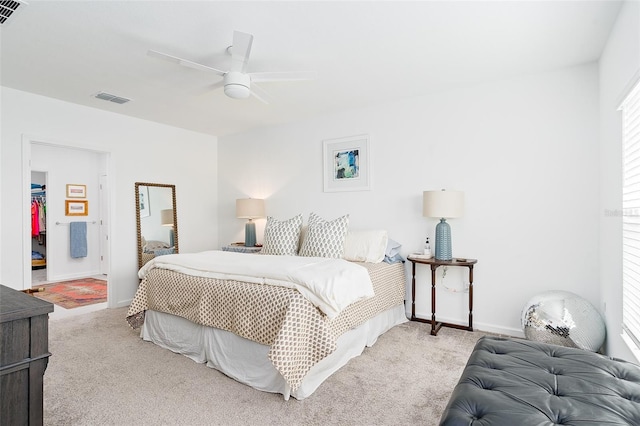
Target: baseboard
69,277
479,326
121,303
505,331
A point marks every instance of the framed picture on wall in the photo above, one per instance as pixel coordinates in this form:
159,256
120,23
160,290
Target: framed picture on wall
346,164
76,207
76,191
144,201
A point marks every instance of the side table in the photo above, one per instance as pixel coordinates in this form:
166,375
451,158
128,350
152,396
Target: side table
241,248
435,264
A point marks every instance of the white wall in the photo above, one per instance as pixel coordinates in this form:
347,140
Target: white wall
619,69
524,151
138,151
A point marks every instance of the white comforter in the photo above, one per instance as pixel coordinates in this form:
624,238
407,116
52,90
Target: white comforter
330,284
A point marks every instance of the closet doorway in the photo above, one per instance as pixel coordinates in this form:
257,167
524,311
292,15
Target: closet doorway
74,245
38,228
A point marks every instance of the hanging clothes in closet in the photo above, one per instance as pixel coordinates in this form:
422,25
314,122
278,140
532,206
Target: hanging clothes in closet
38,210
38,224
38,217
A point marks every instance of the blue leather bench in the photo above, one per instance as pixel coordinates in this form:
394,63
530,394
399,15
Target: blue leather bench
516,382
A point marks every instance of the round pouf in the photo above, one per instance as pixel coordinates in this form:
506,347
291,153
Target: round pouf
565,319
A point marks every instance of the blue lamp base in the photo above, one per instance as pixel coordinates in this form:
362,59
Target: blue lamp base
250,234
443,241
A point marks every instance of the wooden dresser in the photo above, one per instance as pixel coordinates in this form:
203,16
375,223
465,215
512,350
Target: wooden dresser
24,354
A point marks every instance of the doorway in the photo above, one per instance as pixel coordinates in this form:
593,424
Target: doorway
38,227
60,169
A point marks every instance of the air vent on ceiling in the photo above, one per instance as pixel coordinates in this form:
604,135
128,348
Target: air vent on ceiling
111,98
8,9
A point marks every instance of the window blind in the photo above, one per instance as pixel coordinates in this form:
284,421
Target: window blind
631,215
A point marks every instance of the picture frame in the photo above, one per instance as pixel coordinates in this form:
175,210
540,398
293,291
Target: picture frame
143,201
76,191
347,164
76,207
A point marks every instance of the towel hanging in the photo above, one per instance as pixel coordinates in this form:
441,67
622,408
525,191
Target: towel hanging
78,239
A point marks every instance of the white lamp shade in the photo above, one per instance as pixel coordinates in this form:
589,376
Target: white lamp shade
166,217
442,204
249,208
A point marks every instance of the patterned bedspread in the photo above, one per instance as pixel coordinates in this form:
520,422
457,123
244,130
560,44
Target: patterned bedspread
298,333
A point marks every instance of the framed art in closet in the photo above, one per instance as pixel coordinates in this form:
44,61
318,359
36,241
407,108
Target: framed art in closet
76,191
76,207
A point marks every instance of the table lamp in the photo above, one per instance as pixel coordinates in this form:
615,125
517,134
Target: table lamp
443,204
249,208
166,219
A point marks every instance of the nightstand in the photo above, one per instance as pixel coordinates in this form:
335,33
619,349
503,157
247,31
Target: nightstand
435,264
241,248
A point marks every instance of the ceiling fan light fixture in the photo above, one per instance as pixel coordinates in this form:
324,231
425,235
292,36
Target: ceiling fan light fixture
236,91
236,85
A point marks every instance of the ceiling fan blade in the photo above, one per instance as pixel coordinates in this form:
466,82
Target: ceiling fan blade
184,62
216,85
260,94
212,87
207,89
261,77
240,51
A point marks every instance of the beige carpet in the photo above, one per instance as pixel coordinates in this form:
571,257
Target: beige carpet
102,373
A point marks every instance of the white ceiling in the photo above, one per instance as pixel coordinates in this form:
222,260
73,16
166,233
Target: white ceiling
363,52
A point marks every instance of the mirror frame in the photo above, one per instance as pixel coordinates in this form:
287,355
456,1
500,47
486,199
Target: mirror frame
175,216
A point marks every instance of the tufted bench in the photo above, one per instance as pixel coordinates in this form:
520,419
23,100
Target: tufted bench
515,382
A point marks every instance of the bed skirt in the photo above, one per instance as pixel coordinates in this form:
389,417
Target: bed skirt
247,361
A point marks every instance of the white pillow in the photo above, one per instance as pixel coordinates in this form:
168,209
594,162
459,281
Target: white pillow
365,246
282,237
324,238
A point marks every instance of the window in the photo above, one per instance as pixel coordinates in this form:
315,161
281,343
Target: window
631,215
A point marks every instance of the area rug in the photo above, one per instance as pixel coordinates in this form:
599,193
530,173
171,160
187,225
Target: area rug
75,293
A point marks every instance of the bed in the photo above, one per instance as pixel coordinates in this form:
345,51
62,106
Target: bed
154,248
258,319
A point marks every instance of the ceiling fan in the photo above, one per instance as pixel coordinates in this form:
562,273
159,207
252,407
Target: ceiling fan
237,82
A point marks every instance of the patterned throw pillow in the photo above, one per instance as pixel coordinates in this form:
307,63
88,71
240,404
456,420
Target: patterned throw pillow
325,238
281,237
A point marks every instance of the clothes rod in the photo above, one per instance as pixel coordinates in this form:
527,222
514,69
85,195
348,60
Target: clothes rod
66,223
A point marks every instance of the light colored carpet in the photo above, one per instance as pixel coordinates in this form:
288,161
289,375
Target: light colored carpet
102,373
